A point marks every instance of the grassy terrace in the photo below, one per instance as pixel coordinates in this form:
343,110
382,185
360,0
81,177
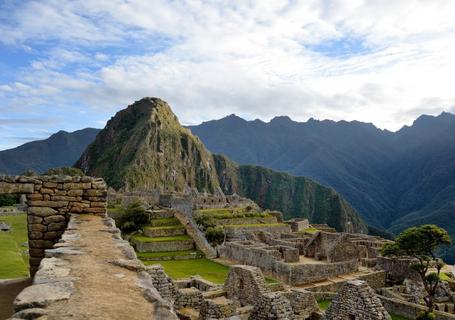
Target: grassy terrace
310,230
166,227
183,269
13,260
159,239
232,213
255,225
164,222
148,255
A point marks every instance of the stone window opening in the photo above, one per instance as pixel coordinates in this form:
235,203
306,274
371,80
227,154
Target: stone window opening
351,317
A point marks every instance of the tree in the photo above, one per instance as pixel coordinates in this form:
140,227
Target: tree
422,243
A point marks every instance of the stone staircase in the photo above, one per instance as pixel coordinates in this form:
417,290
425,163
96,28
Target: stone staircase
164,239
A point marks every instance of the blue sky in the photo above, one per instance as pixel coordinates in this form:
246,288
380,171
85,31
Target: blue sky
73,64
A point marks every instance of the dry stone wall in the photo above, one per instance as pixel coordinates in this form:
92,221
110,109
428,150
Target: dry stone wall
50,201
356,300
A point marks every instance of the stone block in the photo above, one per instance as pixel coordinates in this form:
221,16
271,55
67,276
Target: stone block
51,185
35,196
75,193
51,235
93,210
6,187
54,219
35,235
36,227
36,252
51,204
41,244
95,193
41,211
98,205
31,219
56,226
46,191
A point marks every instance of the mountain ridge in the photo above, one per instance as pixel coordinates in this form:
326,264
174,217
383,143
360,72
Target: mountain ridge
144,146
60,149
390,178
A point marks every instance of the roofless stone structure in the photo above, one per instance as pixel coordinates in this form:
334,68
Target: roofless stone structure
50,201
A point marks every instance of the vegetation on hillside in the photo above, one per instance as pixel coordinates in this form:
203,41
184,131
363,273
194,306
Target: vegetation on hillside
393,179
59,150
144,146
66,171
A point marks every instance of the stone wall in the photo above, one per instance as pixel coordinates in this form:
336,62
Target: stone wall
50,201
244,284
269,260
356,300
396,269
410,310
55,283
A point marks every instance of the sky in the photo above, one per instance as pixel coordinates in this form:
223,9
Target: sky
67,65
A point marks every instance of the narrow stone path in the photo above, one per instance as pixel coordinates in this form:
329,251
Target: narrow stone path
102,290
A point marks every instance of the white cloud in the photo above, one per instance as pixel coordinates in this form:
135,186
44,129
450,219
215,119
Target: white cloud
256,59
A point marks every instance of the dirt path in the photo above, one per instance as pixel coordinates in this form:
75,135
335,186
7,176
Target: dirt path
103,291
8,292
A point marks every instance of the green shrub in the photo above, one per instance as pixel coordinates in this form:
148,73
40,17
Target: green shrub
7,200
134,218
215,234
426,316
205,221
65,171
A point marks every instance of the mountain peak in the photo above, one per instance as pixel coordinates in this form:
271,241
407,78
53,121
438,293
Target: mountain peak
281,120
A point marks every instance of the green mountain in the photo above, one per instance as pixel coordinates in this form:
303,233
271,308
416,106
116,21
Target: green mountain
393,179
295,196
59,150
144,146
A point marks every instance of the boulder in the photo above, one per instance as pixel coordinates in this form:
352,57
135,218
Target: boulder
4,226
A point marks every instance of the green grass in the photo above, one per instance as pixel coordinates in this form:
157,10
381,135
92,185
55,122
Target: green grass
145,255
231,213
310,230
159,239
324,304
445,277
255,225
14,263
182,269
164,222
397,317
166,227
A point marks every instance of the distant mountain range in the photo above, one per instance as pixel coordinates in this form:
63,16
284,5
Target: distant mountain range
393,179
144,147
60,149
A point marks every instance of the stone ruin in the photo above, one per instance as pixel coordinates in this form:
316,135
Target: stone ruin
245,294
356,301
50,200
297,258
